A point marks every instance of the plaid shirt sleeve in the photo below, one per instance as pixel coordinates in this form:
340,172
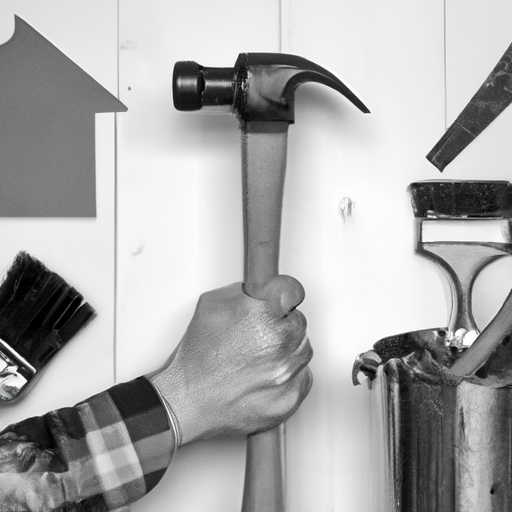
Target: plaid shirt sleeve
98,456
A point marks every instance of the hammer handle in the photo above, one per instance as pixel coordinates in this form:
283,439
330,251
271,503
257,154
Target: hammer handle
264,146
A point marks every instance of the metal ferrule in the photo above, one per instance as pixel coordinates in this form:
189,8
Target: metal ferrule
15,373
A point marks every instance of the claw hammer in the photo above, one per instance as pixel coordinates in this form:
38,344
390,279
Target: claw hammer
259,90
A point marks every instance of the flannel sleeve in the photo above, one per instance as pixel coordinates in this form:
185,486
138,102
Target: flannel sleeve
100,455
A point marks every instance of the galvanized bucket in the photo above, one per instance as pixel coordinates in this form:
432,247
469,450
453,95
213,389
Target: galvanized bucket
442,440
441,444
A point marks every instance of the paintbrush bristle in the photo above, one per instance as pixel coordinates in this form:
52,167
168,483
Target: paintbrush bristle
461,199
39,311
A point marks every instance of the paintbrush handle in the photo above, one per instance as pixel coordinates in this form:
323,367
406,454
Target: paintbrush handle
264,147
498,329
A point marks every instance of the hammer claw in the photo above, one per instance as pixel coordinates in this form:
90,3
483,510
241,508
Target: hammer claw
267,84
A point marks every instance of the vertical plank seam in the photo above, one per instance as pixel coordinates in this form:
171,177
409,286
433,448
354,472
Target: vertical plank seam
284,26
116,213
445,66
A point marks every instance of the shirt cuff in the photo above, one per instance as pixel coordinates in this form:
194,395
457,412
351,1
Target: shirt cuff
171,417
130,439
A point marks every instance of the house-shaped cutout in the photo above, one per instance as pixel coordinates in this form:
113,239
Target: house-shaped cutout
47,129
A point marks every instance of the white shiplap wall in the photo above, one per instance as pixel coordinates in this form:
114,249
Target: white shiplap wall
169,222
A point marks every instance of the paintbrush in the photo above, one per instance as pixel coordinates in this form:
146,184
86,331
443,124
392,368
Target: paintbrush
461,226
39,314
478,214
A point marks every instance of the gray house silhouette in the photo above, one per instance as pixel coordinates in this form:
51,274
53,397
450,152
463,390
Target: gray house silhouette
47,129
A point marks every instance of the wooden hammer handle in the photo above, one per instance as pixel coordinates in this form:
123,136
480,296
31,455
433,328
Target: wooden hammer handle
264,147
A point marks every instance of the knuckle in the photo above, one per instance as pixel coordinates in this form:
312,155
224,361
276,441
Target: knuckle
290,365
294,329
295,321
295,389
302,352
301,321
282,374
308,351
307,380
202,300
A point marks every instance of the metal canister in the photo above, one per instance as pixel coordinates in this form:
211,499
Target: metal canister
445,442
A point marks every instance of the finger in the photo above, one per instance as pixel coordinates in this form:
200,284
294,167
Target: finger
306,381
283,401
284,294
302,385
292,328
296,362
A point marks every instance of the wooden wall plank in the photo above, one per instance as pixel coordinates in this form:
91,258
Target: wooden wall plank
180,225
361,275
80,250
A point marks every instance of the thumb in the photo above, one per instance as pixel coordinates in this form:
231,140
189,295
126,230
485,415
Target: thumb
284,293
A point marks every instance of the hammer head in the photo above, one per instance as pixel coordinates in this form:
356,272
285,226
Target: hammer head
260,86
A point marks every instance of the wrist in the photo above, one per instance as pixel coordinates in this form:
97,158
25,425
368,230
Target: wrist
171,415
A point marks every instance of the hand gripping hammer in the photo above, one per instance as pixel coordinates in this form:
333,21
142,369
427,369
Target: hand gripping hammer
259,90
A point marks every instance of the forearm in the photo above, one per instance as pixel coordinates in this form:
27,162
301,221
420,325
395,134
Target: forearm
104,453
240,368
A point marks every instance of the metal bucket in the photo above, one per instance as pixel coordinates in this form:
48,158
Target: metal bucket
442,444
